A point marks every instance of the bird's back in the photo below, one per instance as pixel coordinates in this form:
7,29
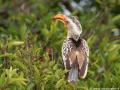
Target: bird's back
74,55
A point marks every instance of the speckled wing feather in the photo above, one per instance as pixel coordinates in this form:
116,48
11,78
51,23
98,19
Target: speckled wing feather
75,56
83,58
69,59
68,53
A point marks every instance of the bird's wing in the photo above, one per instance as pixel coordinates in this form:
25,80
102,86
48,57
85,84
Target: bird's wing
83,58
70,60
69,54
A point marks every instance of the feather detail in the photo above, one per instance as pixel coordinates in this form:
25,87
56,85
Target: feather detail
73,75
75,57
83,70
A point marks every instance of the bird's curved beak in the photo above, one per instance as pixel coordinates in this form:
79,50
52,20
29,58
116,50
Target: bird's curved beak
60,17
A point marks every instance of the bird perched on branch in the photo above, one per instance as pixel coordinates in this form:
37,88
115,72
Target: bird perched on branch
75,51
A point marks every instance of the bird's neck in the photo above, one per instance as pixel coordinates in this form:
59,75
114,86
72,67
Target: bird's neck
73,35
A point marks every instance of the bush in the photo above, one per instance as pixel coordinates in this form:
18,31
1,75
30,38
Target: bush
30,45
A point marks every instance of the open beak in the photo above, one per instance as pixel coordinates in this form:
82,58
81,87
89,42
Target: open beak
60,17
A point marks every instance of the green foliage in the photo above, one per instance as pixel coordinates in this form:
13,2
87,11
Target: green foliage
30,45
10,79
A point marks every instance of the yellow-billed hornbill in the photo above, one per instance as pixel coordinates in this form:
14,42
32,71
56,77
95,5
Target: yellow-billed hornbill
75,51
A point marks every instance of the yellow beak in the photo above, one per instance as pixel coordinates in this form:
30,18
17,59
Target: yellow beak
60,17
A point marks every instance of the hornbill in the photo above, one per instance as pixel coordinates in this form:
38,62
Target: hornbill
75,50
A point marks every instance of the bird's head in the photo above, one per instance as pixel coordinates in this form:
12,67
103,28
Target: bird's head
73,25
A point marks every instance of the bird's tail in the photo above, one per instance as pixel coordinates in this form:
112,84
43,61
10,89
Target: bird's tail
73,75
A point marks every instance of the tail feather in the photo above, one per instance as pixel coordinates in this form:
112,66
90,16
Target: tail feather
73,75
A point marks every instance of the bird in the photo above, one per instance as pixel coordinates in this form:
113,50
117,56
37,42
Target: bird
75,50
